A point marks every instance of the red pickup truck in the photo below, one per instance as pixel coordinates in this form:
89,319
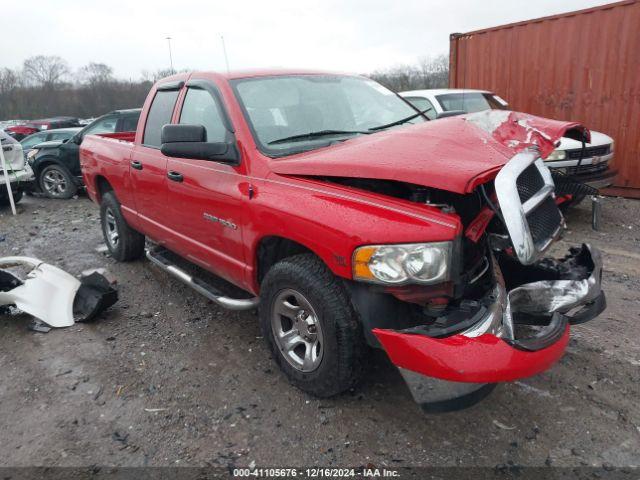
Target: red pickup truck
351,221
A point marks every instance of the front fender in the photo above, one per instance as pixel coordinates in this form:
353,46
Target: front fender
332,221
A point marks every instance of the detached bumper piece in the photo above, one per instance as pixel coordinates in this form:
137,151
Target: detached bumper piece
523,330
52,295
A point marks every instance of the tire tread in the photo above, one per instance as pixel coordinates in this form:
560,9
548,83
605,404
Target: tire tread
314,276
132,242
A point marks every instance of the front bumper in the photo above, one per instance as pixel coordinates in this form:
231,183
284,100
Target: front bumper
18,179
597,179
455,371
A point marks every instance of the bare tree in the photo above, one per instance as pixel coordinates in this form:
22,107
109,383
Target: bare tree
434,71
9,80
430,72
95,73
45,70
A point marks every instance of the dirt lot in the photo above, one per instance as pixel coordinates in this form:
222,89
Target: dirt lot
167,378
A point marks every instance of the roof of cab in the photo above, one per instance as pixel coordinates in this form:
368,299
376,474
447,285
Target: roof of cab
251,73
441,91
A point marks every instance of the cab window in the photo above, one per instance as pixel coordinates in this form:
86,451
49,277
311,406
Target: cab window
423,105
105,125
200,108
33,140
60,135
159,115
128,123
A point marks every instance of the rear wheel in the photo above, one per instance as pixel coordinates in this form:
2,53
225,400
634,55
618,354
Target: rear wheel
311,327
123,242
57,182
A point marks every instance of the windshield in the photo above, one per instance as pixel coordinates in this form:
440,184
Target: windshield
471,102
283,110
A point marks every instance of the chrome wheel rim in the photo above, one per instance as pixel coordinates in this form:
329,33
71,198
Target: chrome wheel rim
297,330
111,228
54,182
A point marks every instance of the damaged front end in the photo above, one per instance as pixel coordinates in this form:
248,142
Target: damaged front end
52,295
520,325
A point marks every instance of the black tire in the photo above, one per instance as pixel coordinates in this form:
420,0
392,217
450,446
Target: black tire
17,196
343,347
56,181
129,244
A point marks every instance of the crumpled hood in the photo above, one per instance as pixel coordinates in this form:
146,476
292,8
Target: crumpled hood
449,154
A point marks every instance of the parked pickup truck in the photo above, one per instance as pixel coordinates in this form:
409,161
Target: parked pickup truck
351,220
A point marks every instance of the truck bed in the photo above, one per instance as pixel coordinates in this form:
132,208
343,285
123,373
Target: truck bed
121,136
110,151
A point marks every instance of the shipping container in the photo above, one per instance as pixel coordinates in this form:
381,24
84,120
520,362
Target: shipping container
582,66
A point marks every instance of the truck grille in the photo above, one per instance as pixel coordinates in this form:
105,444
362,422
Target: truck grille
589,152
544,221
525,193
584,169
529,182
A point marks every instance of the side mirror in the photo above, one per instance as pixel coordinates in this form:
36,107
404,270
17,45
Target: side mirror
190,141
450,113
77,139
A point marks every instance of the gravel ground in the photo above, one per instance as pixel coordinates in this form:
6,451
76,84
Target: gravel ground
167,378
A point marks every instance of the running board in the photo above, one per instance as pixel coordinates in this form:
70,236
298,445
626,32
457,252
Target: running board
203,288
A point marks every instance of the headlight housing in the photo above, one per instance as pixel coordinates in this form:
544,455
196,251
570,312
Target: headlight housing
31,155
422,263
556,155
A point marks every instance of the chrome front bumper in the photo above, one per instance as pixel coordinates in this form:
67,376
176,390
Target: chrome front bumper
454,372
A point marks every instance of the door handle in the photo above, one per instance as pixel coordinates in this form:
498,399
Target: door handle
136,164
175,176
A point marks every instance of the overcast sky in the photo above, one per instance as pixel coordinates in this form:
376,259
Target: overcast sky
349,35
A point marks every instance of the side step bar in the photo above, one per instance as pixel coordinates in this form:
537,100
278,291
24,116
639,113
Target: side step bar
203,288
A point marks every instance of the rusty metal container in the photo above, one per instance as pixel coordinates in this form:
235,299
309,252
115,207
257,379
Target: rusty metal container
582,66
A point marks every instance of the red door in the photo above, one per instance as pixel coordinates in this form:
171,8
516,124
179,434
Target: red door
148,167
205,203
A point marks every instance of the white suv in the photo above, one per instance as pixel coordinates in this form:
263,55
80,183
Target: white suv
19,172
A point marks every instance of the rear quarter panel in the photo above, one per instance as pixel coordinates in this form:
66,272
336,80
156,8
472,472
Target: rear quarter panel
108,157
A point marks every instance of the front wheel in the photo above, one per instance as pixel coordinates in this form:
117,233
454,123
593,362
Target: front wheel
57,182
123,242
311,327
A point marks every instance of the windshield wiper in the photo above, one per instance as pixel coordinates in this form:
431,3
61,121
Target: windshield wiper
402,120
320,133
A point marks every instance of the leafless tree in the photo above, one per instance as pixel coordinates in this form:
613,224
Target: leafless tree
45,70
429,72
95,73
9,80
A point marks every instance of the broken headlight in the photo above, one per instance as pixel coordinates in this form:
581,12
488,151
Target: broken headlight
556,155
31,156
423,263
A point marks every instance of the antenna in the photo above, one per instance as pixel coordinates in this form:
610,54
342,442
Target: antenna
170,55
224,49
